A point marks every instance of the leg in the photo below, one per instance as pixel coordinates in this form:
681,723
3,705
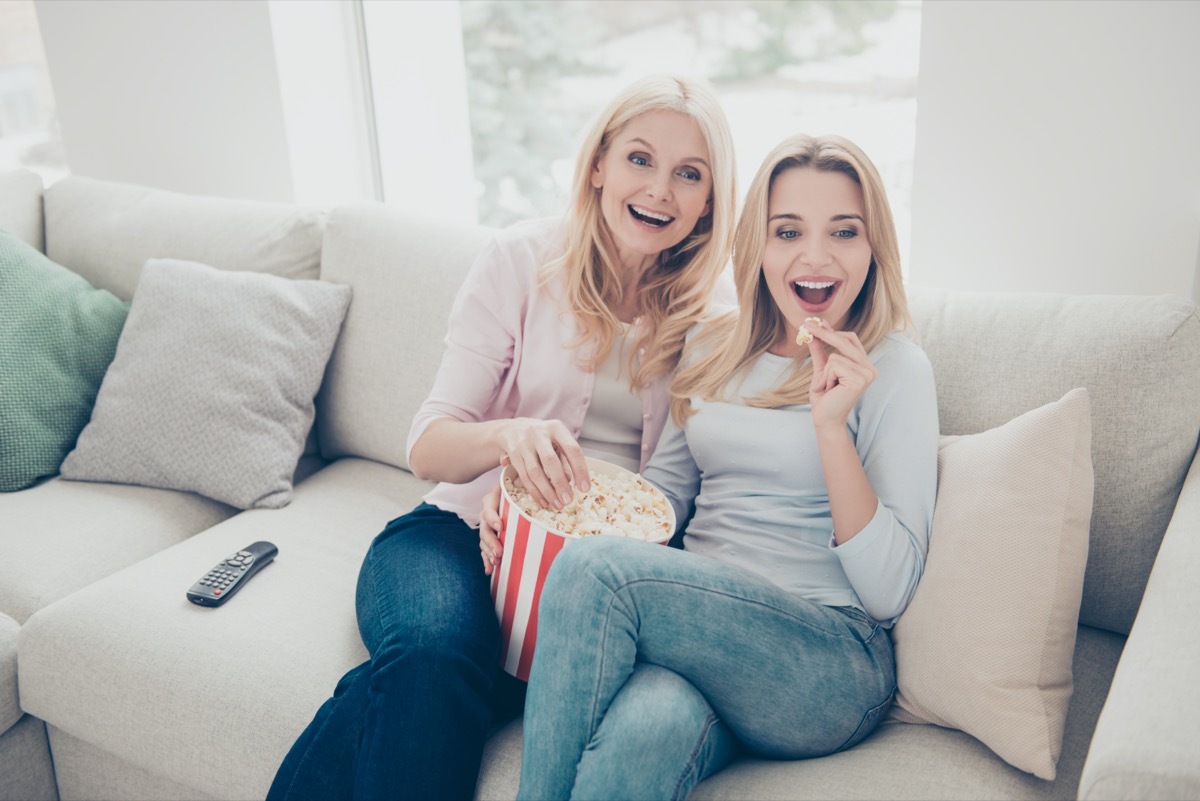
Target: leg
321,763
426,615
791,678
411,721
658,739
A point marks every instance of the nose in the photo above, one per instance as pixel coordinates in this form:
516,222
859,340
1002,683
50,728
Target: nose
660,185
814,251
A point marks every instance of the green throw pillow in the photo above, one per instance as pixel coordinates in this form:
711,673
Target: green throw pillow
57,337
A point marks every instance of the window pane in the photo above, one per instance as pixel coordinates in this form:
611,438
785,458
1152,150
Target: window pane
29,134
537,71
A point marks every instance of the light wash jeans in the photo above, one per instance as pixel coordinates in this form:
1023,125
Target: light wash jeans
655,666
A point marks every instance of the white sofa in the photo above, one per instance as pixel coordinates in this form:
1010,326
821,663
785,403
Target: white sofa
112,686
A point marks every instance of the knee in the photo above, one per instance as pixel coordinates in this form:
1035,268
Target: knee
657,739
589,563
428,662
659,709
436,644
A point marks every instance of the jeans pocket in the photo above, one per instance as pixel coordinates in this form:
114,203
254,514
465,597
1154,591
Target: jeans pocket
870,720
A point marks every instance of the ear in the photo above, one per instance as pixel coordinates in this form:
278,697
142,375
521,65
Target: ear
597,175
707,208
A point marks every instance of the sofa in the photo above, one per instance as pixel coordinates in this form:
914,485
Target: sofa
113,686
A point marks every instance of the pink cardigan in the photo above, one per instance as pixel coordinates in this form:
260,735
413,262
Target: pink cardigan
508,355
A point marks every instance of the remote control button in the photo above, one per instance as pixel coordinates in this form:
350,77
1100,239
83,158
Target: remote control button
216,592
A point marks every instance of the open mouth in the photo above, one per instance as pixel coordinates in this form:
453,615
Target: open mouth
814,294
652,218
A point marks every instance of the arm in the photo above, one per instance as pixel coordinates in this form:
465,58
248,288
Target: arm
452,438
673,470
882,483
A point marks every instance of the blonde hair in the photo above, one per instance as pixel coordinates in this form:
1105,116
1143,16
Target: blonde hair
675,292
730,344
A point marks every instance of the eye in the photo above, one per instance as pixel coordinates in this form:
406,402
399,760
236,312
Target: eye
845,233
787,233
639,159
689,174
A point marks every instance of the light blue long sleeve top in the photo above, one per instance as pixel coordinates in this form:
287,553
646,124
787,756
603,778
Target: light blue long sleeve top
748,485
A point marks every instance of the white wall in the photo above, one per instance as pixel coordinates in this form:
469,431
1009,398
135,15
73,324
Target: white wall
1058,147
182,95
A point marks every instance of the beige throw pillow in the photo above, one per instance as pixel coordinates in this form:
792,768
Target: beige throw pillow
986,644
211,389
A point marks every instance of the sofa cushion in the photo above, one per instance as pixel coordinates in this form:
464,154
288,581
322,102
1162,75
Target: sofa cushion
21,206
105,231
997,355
276,649
985,646
60,535
212,386
388,354
57,337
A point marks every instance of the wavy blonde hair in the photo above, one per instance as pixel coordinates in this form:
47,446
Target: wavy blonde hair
731,343
674,293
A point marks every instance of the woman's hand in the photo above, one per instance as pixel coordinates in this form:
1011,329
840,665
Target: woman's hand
490,548
839,378
546,457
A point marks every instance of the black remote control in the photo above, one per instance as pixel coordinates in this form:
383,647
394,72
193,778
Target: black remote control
228,575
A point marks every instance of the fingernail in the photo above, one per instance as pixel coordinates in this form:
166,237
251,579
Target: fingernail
566,497
585,486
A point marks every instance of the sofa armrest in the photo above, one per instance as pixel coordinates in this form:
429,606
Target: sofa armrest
1145,743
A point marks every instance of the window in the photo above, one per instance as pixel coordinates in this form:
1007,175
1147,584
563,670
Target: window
29,135
536,71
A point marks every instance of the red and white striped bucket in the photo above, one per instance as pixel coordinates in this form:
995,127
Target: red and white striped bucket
529,548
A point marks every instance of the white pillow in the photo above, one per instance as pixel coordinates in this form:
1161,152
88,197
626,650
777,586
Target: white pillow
987,643
211,388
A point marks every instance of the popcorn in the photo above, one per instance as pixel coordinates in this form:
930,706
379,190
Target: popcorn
617,504
804,336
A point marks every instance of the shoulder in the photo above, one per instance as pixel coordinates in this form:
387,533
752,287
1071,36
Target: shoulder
522,249
530,241
904,370
537,234
702,337
897,352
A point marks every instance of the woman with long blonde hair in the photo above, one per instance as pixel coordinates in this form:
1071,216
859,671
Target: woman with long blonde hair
801,462
562,342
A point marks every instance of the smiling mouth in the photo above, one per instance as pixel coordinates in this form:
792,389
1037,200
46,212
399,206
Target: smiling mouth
814,293
650,217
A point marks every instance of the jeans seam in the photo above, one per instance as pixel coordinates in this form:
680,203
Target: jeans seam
690,768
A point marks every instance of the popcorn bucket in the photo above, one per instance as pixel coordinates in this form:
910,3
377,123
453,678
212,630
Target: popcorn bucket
529,548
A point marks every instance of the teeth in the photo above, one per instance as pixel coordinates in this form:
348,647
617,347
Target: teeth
814,284
652,214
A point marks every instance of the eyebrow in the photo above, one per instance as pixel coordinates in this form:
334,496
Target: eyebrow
834,218
651,147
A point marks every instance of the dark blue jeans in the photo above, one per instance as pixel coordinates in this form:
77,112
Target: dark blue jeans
411,721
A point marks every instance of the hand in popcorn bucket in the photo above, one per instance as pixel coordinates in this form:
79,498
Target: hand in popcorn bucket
619,503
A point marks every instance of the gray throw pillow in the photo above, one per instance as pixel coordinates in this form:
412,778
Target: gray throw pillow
212,385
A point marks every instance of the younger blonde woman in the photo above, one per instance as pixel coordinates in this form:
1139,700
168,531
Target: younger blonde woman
804,474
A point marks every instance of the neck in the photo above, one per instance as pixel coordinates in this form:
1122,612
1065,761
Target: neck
632,271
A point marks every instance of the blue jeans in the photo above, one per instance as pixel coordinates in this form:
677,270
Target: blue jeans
411,721
632,633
